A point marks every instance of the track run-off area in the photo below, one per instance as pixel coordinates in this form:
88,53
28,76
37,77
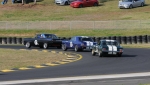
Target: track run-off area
133,63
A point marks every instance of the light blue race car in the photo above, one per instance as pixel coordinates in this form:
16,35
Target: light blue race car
78,43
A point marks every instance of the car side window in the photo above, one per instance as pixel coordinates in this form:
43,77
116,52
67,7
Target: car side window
38,36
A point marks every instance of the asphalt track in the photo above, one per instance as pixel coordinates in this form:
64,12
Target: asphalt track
132,61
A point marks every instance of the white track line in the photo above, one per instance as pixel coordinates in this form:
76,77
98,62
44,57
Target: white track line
111,76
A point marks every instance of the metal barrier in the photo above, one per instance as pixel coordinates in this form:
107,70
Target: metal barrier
140,39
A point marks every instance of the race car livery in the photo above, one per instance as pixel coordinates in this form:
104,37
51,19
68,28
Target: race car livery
107,47
78,43
43,41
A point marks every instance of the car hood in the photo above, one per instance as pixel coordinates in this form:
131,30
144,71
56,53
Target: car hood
120,2
75,2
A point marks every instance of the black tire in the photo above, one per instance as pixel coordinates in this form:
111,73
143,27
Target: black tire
80,6
93,52
142,4
119,55
28,45
100,54
64,48
130,7
45,45
66,3
76,48
95,4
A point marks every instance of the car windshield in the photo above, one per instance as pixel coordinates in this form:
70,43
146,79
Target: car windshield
126,0
110,43
86,39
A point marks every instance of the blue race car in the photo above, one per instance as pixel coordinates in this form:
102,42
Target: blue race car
78,43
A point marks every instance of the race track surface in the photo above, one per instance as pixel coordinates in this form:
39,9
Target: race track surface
132,61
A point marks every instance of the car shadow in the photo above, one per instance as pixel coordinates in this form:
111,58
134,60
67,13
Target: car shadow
123,55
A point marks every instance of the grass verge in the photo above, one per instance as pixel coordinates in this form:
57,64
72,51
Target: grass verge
70,33
10,58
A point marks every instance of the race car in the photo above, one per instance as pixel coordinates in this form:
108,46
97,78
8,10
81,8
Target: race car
78,43
43,41
107,47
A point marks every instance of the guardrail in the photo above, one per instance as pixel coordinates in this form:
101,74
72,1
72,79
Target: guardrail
140,39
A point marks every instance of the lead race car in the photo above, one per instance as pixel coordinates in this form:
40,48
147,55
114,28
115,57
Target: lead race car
107,47
43,41
78,43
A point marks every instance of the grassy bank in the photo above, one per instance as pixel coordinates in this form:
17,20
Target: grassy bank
70,33
47,10
21,58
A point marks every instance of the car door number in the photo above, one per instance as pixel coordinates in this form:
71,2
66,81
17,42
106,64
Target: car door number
36,42
71,44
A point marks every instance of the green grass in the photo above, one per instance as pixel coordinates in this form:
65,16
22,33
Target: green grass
70,33
22,58
47,10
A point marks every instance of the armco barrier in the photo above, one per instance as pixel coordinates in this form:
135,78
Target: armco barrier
129,40
134,39
124,40
9,40
144,39
121,39
13,40
4,40
139,39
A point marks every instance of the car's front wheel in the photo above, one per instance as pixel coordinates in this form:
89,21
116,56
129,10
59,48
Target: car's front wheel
130,7
80,6
28,45
76,48
142,4
119,55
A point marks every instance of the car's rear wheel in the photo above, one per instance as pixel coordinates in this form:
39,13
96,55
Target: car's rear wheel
93,52
45,45
76,48
100,54
64,47
95,4
28,45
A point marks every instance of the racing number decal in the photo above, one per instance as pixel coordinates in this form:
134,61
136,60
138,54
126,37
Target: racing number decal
71,44
36,42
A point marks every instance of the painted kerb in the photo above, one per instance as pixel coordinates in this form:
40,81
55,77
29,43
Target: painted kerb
72,25
71,57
